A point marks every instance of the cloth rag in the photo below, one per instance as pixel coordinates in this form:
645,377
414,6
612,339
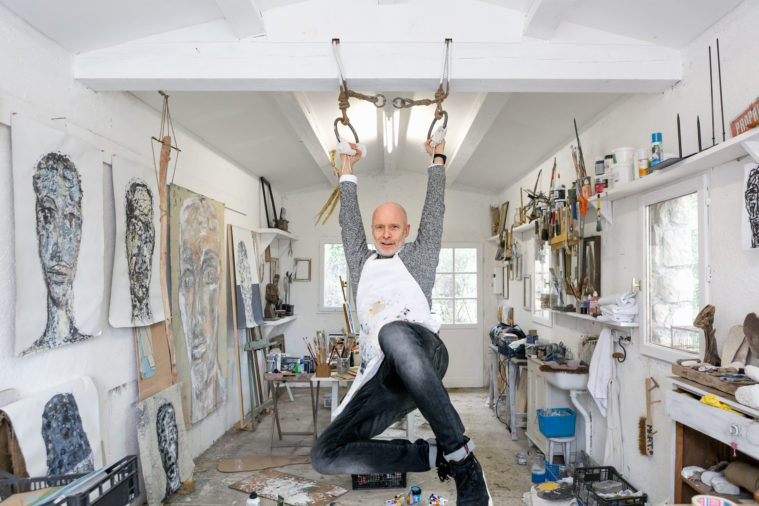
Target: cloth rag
344,148
438,136
748,395
721,485
599,373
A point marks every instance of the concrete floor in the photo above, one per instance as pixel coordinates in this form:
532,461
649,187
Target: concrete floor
495,450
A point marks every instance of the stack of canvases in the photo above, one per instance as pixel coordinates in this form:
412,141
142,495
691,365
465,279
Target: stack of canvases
58,204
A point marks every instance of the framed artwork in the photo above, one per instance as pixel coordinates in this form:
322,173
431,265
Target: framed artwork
750,207
527,293
273,268
247,287
302,269
269,207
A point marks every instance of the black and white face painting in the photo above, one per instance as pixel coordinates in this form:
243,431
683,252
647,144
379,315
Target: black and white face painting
140,243
751,197
68,449
58,210
168,446
199,295
246,281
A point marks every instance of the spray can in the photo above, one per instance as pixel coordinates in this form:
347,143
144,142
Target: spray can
656,149
253,500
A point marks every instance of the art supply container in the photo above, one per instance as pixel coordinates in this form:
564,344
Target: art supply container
608,160
601,184
322,371
624,163
343,365
600,168
538,467
521,458
656,148
415,495
643,162
253,500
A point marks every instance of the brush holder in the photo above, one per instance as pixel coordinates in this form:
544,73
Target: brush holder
322,371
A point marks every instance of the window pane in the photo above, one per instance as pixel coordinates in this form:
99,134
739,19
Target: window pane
445,264
443,286
442,309
466,259
673,267
466,285
334,267
466,310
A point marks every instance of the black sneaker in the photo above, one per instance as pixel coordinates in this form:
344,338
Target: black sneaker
443,466
471,489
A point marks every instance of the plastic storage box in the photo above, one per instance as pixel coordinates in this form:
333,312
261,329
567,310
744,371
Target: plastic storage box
557,425
378,480
118,486
585,477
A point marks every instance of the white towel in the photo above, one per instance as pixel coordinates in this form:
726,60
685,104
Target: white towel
344,148
613,450
600,370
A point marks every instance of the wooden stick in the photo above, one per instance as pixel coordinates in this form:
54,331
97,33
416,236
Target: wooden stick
233,290
164,208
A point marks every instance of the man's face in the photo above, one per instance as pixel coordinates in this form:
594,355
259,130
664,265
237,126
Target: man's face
140,240
59,224
389,228
168,441
200,273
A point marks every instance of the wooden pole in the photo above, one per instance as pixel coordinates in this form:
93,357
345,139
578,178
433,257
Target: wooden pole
164,206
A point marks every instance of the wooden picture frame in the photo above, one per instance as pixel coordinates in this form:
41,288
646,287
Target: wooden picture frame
271,221
302,269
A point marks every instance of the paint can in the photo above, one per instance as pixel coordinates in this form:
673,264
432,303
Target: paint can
414,495
643,162
253,499
601,185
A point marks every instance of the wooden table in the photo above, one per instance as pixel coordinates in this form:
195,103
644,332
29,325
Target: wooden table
275,380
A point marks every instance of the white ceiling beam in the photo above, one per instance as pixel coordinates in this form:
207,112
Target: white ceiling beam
529,66
486,108
243,17
544,16
296,109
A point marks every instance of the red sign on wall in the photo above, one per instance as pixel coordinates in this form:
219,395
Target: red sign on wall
747,119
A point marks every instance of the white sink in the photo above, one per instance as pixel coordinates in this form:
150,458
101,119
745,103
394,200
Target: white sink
566,380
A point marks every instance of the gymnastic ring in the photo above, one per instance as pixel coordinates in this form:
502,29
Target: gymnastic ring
434,120
377,103
355,135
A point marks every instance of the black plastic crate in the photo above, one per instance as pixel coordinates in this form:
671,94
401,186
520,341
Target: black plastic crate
378,480
584,477
118,486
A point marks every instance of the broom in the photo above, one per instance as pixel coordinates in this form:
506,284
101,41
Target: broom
645,424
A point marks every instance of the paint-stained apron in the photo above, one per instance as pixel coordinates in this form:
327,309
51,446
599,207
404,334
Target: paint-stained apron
387,292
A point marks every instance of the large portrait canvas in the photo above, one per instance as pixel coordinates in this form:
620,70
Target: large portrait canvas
136,285
58,430
198,300
164,458
248,291
58,206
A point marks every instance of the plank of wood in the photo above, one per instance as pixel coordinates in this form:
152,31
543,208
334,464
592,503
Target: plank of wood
709,380
271,483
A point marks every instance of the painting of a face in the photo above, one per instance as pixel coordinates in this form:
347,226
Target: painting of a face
245,281
68,449
200,271
140,242
751,196
59,224
168,446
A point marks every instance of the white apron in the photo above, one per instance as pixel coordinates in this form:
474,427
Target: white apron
387,292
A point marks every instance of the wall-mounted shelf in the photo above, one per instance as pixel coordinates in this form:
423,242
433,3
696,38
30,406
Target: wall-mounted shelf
267,235
280,321
517,230
626,325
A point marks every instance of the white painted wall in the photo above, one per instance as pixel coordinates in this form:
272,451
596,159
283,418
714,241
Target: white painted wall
37,82
464,215
735,286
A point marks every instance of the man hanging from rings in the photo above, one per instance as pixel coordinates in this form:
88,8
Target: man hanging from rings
403,359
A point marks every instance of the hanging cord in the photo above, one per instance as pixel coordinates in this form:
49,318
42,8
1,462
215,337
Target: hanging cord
441,93
343,99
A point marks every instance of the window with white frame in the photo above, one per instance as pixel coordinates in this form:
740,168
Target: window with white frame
333,267
543,295
675,264
454,295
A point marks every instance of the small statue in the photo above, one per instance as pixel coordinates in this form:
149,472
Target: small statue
272,298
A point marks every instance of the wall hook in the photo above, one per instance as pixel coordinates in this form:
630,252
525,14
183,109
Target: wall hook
621,357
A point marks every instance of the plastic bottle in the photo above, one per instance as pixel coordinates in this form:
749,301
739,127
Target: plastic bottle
253,500
656,149
538,468
643,162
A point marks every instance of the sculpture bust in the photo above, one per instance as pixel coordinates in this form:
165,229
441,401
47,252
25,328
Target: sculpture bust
272,298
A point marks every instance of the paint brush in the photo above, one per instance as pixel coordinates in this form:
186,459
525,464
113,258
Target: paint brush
721,104
583,172
679,139
711,91
310,351
698,129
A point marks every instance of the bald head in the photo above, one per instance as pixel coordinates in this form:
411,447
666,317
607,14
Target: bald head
389,228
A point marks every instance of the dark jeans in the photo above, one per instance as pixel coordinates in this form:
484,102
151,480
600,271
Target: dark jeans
409,377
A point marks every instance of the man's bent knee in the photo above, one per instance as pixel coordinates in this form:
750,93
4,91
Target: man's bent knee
320,459
395,334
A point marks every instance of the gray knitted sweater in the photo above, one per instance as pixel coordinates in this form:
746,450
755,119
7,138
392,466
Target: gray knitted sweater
420,257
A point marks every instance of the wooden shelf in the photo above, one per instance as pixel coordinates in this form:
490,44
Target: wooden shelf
703,489
732,149
280,321
580,316
517,230
493,239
